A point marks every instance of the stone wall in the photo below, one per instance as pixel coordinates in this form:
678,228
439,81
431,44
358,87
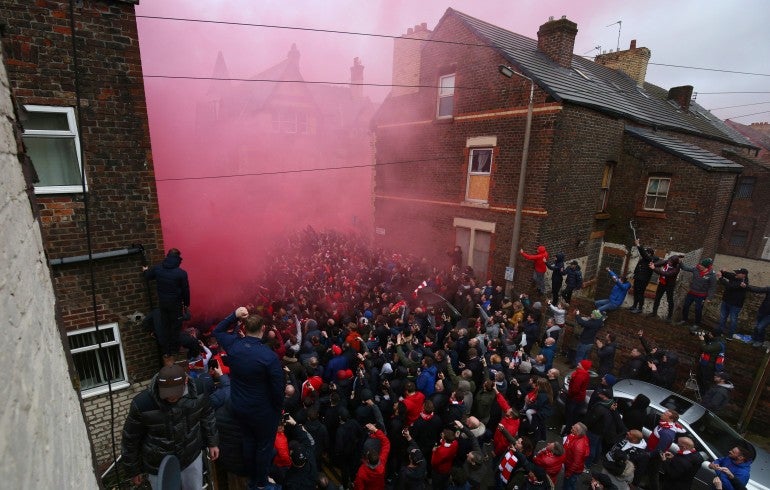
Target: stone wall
45,442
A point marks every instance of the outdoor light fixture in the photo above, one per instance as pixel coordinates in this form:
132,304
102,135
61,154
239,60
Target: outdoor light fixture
510,73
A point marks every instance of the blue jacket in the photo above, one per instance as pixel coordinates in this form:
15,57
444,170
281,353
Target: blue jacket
740,471
426,381
256,380
171,280
619,290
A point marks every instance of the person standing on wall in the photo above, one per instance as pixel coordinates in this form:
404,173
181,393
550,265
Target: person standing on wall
256,389
642,275
667,270
540,260
173,297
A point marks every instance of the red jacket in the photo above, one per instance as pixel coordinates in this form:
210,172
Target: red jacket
499,440
282,457
443,456
374,478
540,259
413,406
578,384
549,462
576,452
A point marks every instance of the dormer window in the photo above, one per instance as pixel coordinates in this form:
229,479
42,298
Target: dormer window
446,96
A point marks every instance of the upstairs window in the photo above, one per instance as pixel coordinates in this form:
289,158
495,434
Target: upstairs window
657,193
745,187
51,139
479,168
604,190
446,95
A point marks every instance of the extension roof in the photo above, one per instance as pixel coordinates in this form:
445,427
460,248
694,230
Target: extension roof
686,151
599,87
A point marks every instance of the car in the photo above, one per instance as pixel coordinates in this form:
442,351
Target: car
713,437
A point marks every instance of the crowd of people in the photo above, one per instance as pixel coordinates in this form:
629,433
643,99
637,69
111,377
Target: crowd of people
390,372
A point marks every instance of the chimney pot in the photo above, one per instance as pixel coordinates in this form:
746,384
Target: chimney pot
409,31
550,18
563,16
633,44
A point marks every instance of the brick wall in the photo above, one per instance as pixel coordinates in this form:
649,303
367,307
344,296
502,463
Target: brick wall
122,199
42,417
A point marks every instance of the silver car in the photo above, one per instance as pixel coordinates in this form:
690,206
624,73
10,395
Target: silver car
712,436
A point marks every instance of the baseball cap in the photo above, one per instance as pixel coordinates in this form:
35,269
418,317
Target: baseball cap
171,381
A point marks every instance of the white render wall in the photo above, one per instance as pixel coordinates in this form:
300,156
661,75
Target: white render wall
44,443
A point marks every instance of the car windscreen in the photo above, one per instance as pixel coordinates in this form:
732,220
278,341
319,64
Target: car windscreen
719,436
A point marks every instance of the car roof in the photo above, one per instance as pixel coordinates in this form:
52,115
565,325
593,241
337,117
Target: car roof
688,410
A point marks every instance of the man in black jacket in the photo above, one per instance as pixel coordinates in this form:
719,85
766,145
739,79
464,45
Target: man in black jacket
173,297
679,468
642,275
171,417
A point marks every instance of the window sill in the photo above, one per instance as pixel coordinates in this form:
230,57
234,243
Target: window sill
651,214
119,385
60,189
445,119
475,204
602,216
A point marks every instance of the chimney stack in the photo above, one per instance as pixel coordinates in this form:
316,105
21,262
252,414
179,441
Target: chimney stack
556,38
407,51
681,95
632,62
356,79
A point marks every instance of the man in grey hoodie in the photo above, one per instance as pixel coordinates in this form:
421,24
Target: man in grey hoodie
702,287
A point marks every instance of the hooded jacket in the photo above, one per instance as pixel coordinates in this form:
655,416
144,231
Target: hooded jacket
717,397
576,450
369,478
540,259
734,294
557,275
172,283
155,429
642,271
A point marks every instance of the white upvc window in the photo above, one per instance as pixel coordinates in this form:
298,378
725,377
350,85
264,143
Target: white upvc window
446,95
92,363
657,193
51,139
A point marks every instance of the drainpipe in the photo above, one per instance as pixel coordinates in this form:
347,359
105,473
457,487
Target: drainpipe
134,249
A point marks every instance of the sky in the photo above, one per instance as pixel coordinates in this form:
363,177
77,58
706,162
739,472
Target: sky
222,225
697,33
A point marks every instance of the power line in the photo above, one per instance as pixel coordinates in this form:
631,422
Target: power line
712,69
741,105
297,171
724,93
390,36
747,115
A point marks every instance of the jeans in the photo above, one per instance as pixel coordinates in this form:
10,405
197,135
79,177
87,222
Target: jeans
582,352
605,305
726,310
192,476
668,290
258,441
689,300
759,329
595,444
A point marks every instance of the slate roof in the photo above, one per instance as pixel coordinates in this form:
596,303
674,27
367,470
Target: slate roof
686,151
602,88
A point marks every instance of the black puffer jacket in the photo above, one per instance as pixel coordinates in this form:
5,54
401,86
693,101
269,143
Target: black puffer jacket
154,429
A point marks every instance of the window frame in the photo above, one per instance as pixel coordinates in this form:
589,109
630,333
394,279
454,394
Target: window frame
604,188
441,95
117,342
71,134
658,196
738,238
472,174
745,187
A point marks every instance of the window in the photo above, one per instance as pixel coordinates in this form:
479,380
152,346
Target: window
91,362
446,95
657,193
745,188
738,238
51,138
291,122
604,191
479,167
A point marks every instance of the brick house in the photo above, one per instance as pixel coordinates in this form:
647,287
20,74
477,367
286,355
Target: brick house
78,85
606,147
746,231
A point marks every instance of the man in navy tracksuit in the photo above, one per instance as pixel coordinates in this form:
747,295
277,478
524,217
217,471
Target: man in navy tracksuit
257,387
173,297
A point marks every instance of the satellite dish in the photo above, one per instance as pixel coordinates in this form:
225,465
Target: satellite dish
170,474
